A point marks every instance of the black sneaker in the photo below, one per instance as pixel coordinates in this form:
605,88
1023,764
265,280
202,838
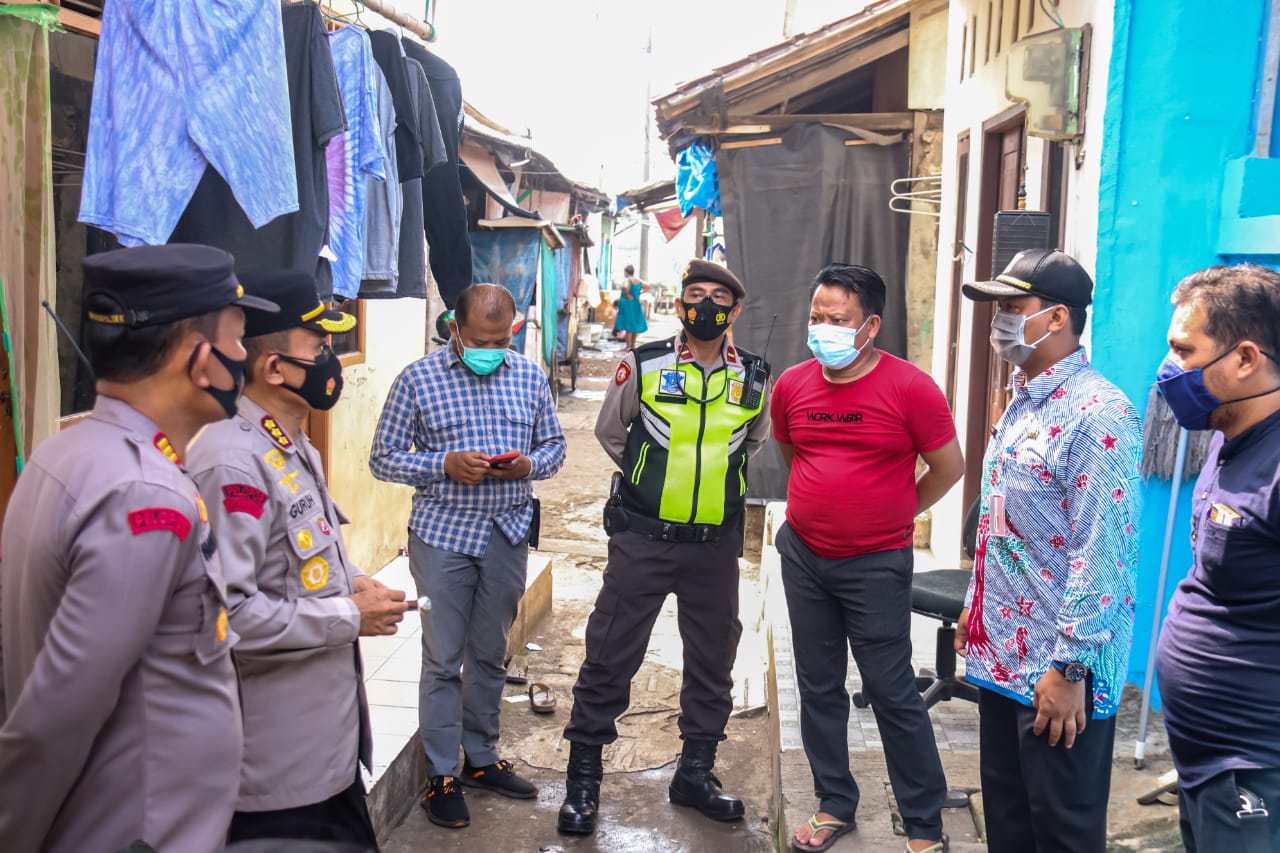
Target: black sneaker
499,778
444,803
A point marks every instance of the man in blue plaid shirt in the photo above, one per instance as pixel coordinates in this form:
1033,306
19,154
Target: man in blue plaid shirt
449,421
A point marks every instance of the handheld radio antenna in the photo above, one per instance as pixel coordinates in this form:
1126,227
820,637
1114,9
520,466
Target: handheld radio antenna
773,322
71,339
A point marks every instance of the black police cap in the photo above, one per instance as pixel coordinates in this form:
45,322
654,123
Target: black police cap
700,270
295,293
155,285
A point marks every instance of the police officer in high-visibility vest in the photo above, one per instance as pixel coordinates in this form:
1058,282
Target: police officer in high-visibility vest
680,419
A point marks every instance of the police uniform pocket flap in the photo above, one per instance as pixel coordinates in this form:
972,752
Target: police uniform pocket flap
311,534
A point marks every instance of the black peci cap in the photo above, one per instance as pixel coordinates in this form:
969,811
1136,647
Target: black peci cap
1048,273
700,270
156,285
300,308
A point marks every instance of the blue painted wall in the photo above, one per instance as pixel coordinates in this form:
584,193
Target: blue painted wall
1180,104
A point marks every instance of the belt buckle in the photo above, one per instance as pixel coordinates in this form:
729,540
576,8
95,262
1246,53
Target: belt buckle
1251,805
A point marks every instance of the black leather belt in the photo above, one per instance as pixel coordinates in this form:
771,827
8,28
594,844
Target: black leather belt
670,531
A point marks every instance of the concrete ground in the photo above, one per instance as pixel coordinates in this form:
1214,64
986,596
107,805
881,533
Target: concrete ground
762,761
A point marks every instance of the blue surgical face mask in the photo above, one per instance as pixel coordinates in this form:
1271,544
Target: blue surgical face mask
482,361
835,347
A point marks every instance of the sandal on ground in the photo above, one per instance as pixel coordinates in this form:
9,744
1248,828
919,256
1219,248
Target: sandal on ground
937,847
541,698
518,670
839,827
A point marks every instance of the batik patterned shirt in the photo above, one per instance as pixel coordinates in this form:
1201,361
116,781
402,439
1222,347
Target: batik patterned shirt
1054,568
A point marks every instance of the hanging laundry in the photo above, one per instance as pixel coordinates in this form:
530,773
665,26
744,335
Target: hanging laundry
672,222
444,211
697,181
354,158
510,257
179,86
389,54
385,207
315,109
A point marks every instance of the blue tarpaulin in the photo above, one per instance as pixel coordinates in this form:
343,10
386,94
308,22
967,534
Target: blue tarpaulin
697,181
564,268
508,257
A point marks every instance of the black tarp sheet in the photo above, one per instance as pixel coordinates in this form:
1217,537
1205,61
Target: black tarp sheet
790,209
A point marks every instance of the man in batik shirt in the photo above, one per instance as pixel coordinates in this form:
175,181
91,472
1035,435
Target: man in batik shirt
1049,613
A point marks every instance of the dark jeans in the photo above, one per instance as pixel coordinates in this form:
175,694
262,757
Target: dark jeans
866,602
342,817
1209,820
1040,799
641,573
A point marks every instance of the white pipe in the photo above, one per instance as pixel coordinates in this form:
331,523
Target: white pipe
1180,460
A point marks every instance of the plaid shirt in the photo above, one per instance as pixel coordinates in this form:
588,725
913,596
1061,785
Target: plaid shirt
438,406
1054,570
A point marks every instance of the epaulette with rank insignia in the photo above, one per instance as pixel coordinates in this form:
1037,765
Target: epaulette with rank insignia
161,441
276,433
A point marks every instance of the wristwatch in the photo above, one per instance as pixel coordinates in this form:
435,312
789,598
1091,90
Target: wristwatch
1073,671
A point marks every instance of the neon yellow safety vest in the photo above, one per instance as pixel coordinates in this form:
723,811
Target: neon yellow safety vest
685,459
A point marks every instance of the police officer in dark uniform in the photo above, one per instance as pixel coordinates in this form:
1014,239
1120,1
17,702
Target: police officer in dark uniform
119,717
681,418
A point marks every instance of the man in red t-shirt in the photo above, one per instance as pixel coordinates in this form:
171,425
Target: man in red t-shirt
851,423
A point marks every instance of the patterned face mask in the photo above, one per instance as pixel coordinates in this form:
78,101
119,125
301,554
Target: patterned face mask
705,320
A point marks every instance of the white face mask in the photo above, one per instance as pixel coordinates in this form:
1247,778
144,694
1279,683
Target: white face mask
1008,336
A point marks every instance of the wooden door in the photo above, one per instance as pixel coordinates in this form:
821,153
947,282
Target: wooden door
1003,159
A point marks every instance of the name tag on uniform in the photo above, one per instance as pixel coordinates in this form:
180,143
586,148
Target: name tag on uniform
735,392
1224,515
671,382
999,526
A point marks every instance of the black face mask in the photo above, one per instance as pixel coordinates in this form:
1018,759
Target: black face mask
227,398
706,320
322,385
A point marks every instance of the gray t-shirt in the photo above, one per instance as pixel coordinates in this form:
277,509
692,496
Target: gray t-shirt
385,208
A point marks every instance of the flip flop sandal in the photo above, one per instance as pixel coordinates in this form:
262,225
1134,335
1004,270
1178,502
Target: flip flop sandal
938,847
541,698
517,671
841,827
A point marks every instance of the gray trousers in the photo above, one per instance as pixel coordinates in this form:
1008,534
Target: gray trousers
866,602
473,603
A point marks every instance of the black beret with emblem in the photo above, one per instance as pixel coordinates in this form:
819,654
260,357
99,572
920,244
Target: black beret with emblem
709,271
155,285
300,308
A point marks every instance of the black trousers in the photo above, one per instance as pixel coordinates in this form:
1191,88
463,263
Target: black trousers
641,573
1209,818
343,817
863,601
1040,799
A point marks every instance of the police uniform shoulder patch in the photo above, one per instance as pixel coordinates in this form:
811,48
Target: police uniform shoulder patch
622,374
160,518
277,434
241,497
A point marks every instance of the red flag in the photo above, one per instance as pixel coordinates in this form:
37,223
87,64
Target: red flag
671,222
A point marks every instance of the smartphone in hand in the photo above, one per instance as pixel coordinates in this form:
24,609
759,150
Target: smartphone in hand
503,459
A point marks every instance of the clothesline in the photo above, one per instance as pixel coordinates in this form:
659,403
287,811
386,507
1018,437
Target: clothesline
422,29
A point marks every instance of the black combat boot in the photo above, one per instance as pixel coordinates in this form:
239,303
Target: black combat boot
581,790
696,786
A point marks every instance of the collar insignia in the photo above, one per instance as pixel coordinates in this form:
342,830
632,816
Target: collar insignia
277,434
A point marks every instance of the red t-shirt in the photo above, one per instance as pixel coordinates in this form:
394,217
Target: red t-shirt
852,488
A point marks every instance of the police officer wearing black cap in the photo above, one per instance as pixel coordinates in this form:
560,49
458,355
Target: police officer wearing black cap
119,717
296,601
680,419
